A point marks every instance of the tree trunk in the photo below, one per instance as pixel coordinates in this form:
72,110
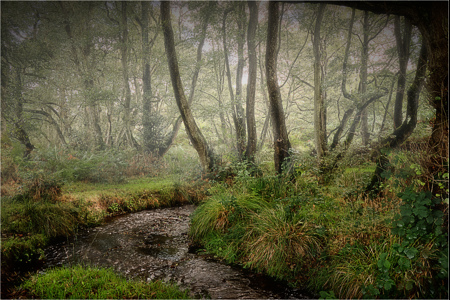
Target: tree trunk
251,85
240,115
404,131
198,141
124,59
319,105
363,77
198,64
403,45
20,133
147,113
282,144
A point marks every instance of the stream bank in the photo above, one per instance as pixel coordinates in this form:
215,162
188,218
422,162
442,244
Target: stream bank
153,245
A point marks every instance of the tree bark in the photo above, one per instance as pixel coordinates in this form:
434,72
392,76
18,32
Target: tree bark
282,144
403,45
251,85
319,105
205,154
198,64
240,115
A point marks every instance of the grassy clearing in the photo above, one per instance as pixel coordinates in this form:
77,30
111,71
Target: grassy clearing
80,282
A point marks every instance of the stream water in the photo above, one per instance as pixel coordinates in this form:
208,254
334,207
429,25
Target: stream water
153,245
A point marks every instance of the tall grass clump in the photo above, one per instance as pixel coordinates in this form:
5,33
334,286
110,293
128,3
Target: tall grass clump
277,242
80,282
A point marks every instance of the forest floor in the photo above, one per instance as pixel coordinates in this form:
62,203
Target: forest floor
330,239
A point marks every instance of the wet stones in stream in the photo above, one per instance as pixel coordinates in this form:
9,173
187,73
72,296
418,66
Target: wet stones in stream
153,245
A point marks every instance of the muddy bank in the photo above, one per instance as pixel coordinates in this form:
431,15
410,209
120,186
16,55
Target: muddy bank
153,245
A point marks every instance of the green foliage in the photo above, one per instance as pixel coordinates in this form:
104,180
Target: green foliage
418,218
23,250
79,282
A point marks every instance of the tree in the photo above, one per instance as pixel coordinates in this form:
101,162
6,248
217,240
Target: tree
282,144
403,45
151,135
81,50
320,128
251,85
205,154
198,64
401,133
127,132
432,20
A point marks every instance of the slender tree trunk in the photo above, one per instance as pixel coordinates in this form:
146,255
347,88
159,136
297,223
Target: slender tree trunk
266,101
147,112
251,85
198,64
20,133
198,141
282,144
228,73
240,115
319,105
337,136
403,45
365,136
126,84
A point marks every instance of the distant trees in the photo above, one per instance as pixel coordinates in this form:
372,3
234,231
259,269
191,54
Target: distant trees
93,75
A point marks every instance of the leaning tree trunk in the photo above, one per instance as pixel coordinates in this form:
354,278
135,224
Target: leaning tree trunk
198,141
198,64
404,131
282,144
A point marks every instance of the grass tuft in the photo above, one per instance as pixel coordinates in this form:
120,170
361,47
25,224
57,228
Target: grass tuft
276,242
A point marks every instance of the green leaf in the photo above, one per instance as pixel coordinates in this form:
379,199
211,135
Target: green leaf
411,252
387,285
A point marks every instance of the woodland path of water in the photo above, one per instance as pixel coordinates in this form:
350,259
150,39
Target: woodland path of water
152,245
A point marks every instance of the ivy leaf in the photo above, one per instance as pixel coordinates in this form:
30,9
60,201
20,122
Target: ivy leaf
421,211
411,252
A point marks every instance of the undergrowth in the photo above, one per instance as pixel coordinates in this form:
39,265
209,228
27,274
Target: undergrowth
333,239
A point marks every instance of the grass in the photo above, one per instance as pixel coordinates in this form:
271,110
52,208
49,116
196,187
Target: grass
80,282
328,238
31,218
